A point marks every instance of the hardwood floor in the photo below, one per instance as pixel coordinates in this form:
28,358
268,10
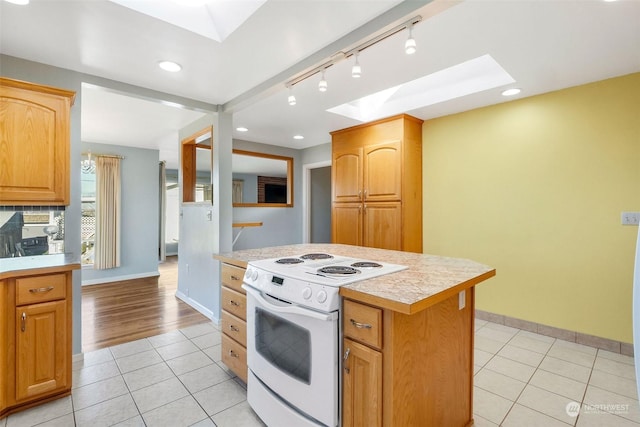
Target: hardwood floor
119,312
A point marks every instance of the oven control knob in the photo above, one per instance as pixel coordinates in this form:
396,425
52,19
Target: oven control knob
321,297
247,274
306,293
254,275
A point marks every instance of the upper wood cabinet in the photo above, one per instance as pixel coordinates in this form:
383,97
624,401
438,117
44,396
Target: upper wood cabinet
377,184
34,143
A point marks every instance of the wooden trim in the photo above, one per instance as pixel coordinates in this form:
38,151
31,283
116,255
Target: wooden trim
290,192
19,84
386,119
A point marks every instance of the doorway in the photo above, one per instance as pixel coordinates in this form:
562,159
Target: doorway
317,203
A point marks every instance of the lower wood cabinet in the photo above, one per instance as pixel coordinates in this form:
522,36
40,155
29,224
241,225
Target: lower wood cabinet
361,385
35,340
408,369
234,320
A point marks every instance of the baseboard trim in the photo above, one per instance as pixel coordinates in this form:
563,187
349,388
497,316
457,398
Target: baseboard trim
102,280
196,305
563,334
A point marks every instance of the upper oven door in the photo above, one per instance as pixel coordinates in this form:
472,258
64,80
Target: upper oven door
294,351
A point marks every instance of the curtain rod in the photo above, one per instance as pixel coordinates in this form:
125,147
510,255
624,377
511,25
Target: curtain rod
103,155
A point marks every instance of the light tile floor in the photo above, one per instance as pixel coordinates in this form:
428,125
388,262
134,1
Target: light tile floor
176,379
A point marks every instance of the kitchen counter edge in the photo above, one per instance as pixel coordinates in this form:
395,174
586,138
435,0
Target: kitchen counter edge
44,264
429,279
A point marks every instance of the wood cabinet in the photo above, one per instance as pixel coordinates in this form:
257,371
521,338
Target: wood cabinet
34,143
377,184
234,320
407,369
35,338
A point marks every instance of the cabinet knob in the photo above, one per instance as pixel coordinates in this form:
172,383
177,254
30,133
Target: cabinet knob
232,302
23,322
234,278
233,328
345,357
233,354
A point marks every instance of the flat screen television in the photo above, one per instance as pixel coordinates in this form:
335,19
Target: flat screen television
275,193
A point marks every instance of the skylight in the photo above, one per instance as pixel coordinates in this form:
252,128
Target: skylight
214,19
473,76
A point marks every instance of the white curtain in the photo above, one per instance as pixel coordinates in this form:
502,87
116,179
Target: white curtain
163,211
107,246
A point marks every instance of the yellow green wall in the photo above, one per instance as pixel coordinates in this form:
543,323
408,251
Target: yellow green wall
535,188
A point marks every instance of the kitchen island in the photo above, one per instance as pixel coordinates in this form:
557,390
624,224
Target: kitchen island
35,332
407,344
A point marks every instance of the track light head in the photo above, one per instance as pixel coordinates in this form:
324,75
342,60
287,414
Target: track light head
291,99
322,85
410,44
356,70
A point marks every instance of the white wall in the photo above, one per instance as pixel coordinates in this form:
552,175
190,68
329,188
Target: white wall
140,216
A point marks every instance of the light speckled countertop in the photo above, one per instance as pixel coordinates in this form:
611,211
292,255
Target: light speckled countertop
42,264
428,280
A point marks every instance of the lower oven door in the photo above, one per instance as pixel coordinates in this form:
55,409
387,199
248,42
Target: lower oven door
293,351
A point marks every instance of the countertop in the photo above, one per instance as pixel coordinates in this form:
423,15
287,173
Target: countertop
429,279
42,264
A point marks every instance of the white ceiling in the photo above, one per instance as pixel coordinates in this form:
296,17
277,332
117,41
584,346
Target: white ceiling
544,45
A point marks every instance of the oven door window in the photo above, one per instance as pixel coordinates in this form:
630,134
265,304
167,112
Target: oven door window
284,344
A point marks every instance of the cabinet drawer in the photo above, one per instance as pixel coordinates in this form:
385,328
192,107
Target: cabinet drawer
232,277
235,357
234,327
234,302
36,289
363,323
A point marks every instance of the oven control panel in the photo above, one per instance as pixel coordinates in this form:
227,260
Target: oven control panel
296,291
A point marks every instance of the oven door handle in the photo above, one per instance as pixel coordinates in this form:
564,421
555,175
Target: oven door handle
289,309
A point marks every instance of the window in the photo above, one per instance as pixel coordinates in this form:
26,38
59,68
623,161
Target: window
88,222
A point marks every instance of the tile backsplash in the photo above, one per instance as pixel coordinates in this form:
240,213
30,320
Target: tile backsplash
31,230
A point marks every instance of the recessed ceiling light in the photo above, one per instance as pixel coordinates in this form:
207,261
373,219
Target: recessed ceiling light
242,129
19,2
511,92
298,137
172,67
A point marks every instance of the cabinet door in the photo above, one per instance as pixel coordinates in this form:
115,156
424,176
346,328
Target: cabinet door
383,172
346,223
41,349
346,171
361,385
383,225
35,147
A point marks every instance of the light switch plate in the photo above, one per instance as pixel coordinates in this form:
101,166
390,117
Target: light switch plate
630,218
462,300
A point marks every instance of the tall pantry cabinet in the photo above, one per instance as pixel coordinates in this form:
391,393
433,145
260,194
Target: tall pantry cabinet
377,184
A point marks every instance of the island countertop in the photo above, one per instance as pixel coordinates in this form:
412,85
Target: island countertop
428,279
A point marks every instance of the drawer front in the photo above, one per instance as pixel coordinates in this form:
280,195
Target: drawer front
363,323
37,289
235,357
232,277
234,327
234,302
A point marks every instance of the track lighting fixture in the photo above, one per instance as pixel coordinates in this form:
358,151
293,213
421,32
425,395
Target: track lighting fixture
410,44
356,70
322,85
291,99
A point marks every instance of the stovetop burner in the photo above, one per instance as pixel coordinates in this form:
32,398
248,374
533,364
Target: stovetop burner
339,270
289,261
316,256
366,264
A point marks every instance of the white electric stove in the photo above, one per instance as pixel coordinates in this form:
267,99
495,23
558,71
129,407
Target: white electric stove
313,279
